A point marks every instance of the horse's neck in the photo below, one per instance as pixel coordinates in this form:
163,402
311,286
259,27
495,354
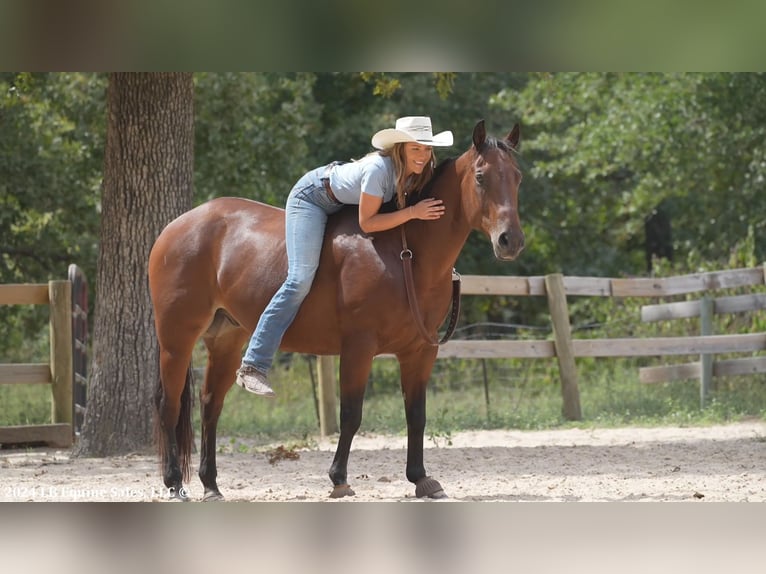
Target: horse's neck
436,244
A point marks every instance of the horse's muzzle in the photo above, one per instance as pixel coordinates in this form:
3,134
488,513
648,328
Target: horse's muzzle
509,244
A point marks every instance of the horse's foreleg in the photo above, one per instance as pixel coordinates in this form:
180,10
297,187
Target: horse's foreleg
355,365
416,370
350,420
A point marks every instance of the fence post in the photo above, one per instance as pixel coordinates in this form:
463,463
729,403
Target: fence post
62,408
328,423
79,344
562,332
486,385
706,359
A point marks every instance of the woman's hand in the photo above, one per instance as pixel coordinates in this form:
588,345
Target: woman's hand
371,221
430,208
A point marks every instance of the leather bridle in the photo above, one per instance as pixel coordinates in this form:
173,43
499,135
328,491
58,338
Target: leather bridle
406,256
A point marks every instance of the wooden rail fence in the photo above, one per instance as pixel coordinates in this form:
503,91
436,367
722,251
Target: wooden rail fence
79,344
557,287
58,373
565,348
706,368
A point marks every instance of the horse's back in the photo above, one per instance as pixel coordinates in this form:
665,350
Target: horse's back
205,226
204,254
229,253
350,290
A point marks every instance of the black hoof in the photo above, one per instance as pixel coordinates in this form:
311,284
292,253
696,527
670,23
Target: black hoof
178,494
213,496
428,487
342,490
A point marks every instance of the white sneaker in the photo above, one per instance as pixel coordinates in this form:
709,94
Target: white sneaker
253,380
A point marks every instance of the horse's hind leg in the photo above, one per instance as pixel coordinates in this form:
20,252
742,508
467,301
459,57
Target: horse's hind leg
224,345
173,403
178,324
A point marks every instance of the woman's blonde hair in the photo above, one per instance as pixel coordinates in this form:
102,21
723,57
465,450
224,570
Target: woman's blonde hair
407,186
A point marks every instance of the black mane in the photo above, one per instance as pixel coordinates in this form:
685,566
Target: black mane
426,191
503,145
390,205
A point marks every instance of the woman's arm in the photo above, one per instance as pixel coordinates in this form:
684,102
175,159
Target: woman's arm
371,221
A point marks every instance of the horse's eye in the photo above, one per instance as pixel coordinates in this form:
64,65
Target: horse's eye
479,177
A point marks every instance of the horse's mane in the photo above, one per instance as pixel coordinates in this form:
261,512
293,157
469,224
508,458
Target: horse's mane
412,199
427,190
502,145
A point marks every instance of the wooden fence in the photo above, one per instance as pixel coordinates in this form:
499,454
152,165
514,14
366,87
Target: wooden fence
58,373
565,348
706,368
79,344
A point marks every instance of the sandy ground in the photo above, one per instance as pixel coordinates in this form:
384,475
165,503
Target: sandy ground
717,463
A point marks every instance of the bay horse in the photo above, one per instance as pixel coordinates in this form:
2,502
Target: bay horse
213,270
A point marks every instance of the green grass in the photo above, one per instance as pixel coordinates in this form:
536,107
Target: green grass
523,394
25,404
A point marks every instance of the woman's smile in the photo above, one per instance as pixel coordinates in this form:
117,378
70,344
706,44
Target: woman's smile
417,156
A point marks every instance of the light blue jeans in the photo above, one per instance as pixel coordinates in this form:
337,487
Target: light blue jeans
306,211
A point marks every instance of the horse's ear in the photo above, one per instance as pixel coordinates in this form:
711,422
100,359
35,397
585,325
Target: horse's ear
513,137
479,134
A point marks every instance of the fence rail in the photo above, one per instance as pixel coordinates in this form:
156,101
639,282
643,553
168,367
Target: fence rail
706,368
565,348
627,347
611,287
57,373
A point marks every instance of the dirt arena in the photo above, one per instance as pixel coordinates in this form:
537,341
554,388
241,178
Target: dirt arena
716,463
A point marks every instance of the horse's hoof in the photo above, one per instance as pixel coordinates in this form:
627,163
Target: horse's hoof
178,494
429,487
213,496
342,490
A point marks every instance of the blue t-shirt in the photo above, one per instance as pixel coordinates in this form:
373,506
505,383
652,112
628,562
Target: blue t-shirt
373,174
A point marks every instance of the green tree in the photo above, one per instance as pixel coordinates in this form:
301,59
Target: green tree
253,133
606,149
51,149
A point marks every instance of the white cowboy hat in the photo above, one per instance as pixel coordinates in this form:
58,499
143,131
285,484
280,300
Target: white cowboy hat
411,129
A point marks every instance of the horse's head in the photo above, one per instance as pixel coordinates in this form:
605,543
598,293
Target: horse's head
491,172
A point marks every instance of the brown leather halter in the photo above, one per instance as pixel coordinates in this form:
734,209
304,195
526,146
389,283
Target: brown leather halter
406,257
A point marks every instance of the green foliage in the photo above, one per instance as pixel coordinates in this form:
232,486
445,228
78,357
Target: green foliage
600,152
252,134
387,84
606,149
51,148
50,154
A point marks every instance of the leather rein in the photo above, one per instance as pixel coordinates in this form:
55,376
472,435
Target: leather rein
406,257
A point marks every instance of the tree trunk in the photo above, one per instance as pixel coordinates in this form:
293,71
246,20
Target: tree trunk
148,168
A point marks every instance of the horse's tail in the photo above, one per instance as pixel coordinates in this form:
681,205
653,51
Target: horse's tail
184,429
